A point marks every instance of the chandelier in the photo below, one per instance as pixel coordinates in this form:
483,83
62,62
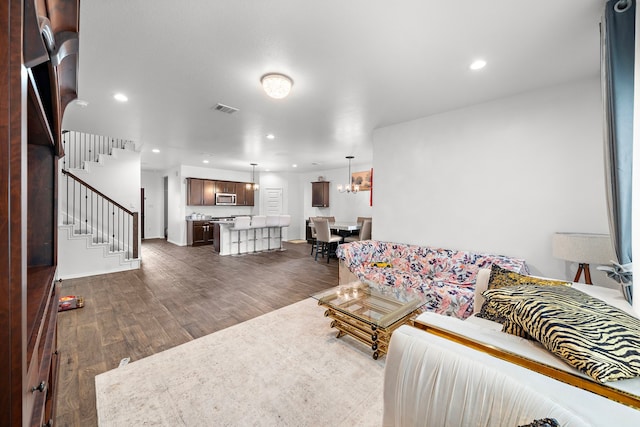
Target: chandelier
350,187
276,85
253,177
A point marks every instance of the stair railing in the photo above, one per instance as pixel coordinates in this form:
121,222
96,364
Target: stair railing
80,147
100,216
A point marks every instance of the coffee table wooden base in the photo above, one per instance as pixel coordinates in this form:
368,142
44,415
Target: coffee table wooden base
377,338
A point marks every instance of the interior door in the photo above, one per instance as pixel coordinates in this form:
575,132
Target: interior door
273,201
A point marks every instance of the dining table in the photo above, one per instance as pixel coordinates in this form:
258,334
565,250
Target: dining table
344,229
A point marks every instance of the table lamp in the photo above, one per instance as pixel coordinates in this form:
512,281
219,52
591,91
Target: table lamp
585,249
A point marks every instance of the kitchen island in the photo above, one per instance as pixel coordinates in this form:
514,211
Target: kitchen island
251,240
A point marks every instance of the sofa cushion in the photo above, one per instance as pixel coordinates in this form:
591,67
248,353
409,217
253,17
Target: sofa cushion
587,333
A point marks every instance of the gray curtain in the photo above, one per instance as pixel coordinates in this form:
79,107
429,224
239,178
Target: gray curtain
617,67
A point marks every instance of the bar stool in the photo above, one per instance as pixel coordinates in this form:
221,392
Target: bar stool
285,221
241,223
258,221
273,221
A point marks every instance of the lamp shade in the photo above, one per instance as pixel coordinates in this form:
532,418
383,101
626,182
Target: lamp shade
584,248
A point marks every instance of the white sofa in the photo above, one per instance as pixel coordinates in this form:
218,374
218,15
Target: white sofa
433,381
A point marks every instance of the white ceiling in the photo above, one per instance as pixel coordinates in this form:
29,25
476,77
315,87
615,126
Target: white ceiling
356,64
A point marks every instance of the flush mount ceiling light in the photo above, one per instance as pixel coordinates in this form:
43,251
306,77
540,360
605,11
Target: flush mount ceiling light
478,65
155,150
271,136
276,85
120,97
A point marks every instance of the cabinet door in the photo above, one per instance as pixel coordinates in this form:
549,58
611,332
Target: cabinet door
208,234
320,194
225,187
241,192
209,193
198,233
249,196
195,192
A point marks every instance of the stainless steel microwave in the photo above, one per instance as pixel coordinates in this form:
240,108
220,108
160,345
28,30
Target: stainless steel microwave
225,199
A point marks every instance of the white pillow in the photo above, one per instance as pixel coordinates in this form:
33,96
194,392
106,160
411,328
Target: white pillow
482,284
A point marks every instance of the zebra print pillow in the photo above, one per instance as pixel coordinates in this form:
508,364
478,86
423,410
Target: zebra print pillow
587,333
501,277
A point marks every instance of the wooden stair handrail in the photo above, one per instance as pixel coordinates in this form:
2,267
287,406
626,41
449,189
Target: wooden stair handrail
97,192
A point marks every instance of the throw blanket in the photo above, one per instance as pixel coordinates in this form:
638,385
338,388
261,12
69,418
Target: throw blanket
445,276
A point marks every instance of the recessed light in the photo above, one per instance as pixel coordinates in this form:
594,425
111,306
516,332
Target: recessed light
477,65
294,165
120,97
155,150
271,136
205,161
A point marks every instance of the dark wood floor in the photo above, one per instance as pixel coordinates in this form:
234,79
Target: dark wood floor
179,294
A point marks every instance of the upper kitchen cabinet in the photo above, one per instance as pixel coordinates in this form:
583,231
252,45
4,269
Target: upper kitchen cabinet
226,187
244,194
201,192
195,192
208,192
320,194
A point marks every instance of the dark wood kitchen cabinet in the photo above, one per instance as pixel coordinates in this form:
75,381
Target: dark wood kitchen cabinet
244,194
199,233
320,194
208,192
195,192
38,80
201,192
228,187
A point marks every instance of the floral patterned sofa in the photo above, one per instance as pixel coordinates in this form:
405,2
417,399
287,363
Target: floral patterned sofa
447,277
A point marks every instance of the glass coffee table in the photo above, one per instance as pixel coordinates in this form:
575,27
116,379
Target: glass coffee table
369,312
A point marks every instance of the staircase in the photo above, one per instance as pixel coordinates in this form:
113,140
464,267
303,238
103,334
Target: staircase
97,233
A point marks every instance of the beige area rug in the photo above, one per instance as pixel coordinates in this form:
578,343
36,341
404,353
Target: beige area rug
284,368
296,241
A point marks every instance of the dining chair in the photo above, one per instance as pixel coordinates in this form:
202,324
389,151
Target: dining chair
325,240
361,219
364,234
314,235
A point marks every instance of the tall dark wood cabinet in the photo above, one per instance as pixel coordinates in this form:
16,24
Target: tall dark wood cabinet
38,64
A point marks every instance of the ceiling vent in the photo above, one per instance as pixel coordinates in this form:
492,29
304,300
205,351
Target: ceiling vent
225,109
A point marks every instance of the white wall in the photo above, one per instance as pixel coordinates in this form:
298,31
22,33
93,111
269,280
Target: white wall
152,182
344,206
118,177
499,177
176,228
